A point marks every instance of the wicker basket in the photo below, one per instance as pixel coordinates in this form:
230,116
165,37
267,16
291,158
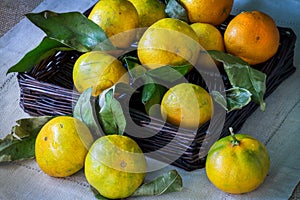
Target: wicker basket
48,90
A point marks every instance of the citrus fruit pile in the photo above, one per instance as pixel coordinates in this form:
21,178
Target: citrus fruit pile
169,41
115,165
251,35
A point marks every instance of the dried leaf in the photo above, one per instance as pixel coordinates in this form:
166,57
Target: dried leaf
175,10
20,143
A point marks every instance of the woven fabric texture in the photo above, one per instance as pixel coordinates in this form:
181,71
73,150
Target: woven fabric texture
11,12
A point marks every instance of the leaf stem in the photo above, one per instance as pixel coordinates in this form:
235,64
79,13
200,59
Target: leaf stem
235,141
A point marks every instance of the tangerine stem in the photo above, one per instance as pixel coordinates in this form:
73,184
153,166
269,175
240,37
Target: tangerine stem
235,142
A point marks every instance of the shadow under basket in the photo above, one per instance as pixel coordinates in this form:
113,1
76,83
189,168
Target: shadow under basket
48,90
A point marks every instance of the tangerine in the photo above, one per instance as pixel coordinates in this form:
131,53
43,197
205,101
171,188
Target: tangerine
168,41
119,20
210,38
98,70
213,12
61,146
253,36
115,166
237,163
187,105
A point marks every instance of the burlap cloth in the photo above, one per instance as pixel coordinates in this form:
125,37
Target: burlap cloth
11,12
24,180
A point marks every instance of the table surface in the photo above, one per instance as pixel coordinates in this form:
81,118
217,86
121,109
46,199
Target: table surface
278,127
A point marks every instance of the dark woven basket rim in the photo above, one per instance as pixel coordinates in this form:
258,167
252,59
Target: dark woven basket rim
44,92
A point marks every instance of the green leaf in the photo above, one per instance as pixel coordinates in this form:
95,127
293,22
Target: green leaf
241,75
85,111
130,61
152,103
20,143
46,48
29,126
122,88
12,148
236,98
72,29
152,94
97,194
111,114
168,182
169,73
148,88
175,10
135,70
166,73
